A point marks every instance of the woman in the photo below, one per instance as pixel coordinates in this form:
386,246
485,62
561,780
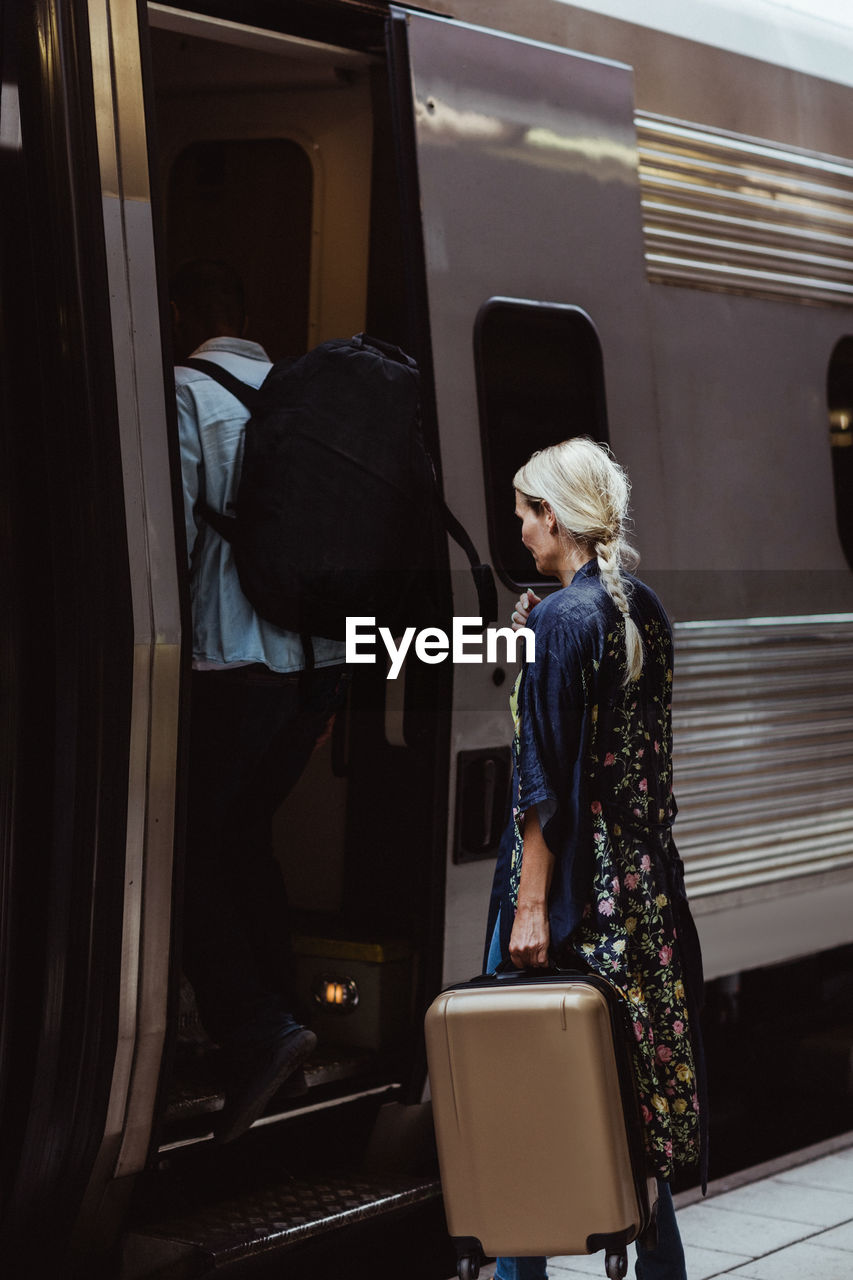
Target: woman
588,869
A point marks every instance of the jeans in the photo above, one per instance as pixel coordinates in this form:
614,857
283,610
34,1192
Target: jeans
495,956
665,1262
252,733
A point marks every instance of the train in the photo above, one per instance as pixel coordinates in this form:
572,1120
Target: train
581,217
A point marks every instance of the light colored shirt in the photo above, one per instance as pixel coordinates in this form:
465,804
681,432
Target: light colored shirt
211,424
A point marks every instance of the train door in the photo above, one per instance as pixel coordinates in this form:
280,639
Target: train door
271,154
521,160
92,617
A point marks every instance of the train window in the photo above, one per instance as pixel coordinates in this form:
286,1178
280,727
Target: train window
839,388
249,201
540,379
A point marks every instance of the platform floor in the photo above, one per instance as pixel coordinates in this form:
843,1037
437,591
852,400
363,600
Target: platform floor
790,1219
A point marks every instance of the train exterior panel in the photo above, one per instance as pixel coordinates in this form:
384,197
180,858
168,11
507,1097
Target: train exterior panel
728,272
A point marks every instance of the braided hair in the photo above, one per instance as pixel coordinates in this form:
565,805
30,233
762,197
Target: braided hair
588,492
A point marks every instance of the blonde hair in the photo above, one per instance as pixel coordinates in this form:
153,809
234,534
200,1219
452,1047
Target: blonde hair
588,492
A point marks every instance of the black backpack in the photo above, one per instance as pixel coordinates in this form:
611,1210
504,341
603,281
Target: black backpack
337,500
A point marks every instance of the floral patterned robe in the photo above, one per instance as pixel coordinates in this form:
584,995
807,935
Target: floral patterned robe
595,757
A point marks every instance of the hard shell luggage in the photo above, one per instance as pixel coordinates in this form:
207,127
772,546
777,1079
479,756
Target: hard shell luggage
537,1121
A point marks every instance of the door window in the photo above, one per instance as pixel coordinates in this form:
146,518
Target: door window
540,380
840,403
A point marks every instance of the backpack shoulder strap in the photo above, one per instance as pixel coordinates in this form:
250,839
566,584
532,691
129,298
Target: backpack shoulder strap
225,526
484,579
242,391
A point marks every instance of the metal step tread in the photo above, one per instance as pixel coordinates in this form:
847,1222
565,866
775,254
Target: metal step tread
285,1214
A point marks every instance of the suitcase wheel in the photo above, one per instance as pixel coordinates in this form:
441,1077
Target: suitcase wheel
468,1267
616,1265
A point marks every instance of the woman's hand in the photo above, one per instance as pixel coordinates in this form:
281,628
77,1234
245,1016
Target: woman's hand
524,606
531,932
531,937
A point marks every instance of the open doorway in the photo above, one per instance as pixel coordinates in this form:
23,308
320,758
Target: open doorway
275,155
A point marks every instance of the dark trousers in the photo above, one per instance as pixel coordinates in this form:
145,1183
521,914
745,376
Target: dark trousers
252,732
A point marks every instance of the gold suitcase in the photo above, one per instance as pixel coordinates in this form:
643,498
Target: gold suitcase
536,1118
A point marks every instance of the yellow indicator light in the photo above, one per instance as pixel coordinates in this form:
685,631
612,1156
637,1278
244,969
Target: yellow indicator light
339,994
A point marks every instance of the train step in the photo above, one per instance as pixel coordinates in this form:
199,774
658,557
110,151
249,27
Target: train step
196,1088
248,1232
355,1055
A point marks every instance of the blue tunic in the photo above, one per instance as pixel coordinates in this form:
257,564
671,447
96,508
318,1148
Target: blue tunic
595,757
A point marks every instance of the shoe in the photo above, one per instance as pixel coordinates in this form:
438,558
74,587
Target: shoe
295,1086
255,1074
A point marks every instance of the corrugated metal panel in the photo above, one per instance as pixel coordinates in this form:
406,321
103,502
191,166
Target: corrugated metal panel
763,728
726,211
